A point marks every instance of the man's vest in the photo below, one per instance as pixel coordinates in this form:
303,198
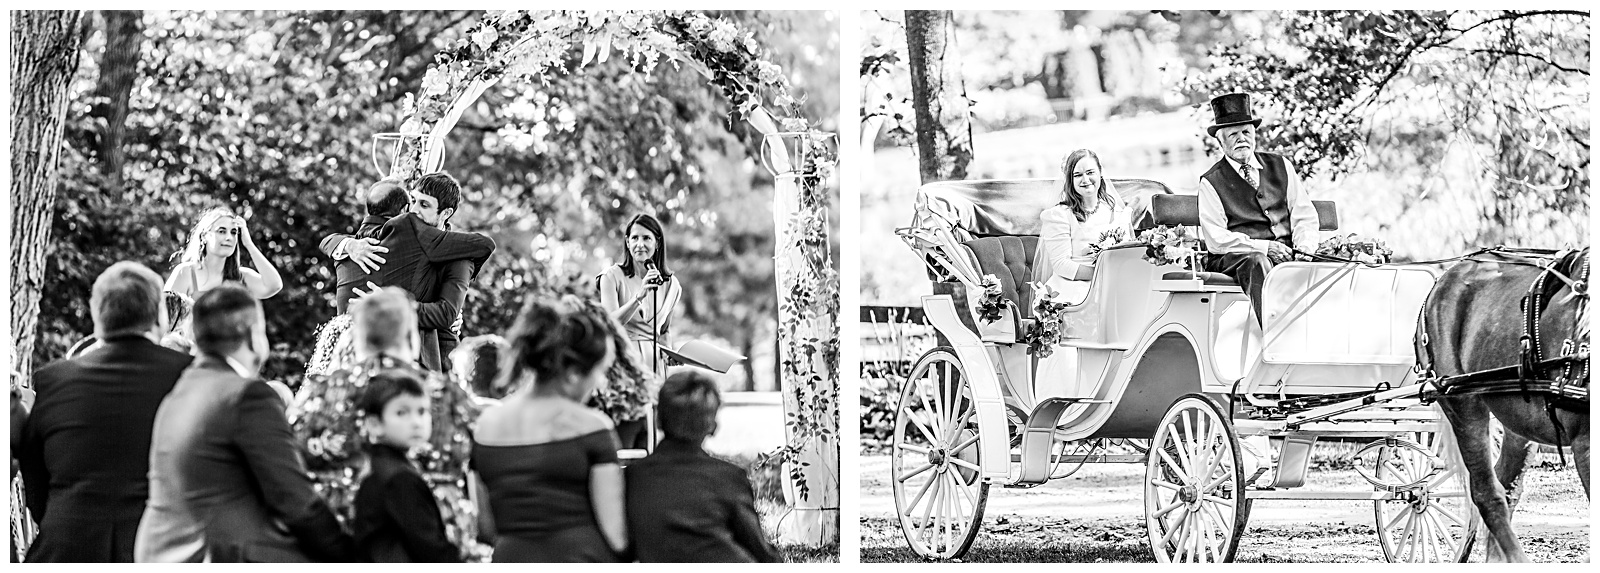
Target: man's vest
1260,213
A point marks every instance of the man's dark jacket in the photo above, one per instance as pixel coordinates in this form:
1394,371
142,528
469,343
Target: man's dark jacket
85,448
225,471
685,506
432,264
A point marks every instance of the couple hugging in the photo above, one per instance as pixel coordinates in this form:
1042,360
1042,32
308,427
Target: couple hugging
1253,211
404,241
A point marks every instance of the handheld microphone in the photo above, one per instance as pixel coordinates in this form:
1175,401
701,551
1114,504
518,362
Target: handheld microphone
650,266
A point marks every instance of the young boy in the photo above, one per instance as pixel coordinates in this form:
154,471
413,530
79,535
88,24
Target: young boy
396,517
685,506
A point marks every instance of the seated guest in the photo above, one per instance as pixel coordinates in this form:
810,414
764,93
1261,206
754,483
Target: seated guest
397,519
85,447
685,506
549,463
226,481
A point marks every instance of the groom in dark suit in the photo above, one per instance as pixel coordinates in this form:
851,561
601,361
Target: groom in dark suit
226,480
1253,209
85,450
417,255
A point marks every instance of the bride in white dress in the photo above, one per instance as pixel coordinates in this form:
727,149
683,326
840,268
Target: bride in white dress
1089,208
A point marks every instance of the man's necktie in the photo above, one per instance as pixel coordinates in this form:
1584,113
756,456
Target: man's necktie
1249,173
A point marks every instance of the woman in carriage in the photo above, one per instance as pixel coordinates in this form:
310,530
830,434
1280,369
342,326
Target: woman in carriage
1091,215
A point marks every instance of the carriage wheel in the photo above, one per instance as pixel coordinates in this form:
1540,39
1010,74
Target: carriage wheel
1434,522
938,491
1194,492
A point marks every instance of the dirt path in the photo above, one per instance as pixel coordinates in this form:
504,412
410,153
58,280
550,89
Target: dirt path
1097,515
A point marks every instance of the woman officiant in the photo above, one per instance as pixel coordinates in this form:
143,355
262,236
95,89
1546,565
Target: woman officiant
640,292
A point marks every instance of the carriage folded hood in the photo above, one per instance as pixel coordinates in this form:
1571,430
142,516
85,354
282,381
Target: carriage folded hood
990,207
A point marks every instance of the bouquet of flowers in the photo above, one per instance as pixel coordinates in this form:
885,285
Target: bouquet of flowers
993,300
1110,238
1045,332
1167,245
1356,248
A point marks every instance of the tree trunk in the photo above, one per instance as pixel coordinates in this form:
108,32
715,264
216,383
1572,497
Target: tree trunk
938,96
119,68
44,56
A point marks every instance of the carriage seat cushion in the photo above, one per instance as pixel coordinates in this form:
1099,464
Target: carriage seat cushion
1185,210
1010,259
1206,278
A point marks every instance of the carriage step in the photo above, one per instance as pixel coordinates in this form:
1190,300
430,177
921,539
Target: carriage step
1039,433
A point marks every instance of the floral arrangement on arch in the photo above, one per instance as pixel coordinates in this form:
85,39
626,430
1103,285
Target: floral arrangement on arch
532,43
1045,333
993,300
1168,245
1353,247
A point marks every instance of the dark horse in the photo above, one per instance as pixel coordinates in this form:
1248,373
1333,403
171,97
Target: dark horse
1475,324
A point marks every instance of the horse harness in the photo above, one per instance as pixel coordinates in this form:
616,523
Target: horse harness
1570,389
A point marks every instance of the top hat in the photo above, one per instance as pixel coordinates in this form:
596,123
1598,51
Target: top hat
1230,109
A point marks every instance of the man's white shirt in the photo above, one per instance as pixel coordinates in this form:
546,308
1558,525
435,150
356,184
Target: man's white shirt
1214,219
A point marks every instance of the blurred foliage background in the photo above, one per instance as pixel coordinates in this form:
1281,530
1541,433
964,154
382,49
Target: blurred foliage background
272,115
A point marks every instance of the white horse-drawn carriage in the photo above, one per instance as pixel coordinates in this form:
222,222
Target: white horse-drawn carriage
1172,372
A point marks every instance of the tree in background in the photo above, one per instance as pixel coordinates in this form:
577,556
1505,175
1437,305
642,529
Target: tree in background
944,129
44,56
1409,94
273,114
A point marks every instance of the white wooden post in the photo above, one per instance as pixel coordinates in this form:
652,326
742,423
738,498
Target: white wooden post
815,521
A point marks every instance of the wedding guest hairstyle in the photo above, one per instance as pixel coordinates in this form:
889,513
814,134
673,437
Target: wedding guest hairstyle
383,319
387,385
440,185
688,405
223,317
125,299
659,258
553,341
387,198
195,250
1069,196
477,362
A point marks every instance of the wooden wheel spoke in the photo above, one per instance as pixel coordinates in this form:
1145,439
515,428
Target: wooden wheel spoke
1178,469
1164,484
1176,525
910,507
1400,513
1168,509
964,463
915,472
963,488
967,443
921,427
1444,511
934,417
917,449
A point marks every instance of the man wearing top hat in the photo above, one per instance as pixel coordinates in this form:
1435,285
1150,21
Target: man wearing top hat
1253,208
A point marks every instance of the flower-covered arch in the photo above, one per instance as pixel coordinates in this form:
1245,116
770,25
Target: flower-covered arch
532,44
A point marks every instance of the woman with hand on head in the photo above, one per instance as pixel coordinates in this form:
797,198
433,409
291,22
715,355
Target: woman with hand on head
211,257
548,463
641,293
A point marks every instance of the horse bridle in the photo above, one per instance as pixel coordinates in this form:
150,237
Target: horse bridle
1566,390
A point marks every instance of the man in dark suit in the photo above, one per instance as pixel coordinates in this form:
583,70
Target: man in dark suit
685,506
85,447
1253,209
226,480
417,255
